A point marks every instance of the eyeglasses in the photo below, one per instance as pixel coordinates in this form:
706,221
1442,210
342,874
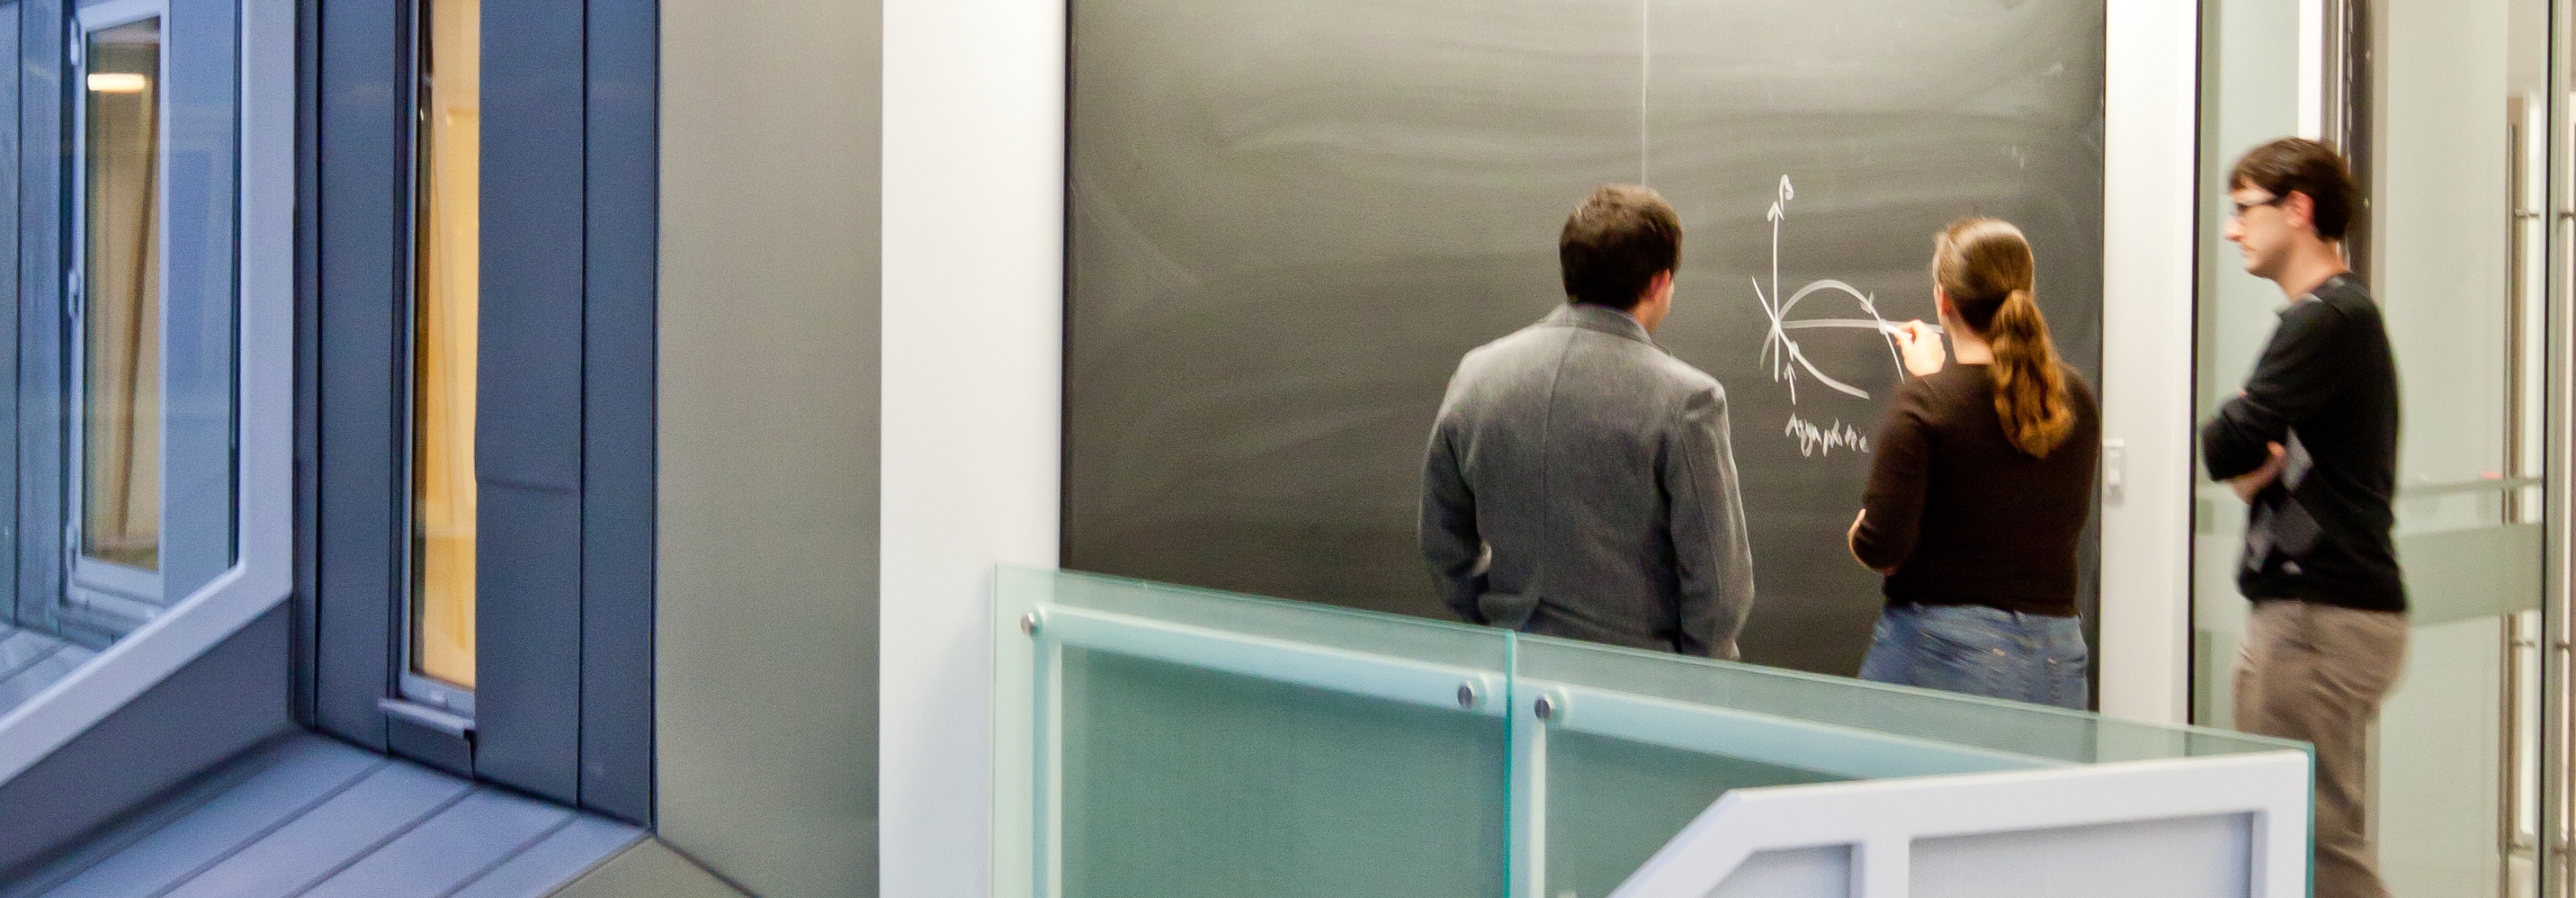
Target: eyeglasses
2242,207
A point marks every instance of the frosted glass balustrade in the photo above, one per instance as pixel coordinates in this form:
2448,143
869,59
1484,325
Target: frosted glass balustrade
1154,740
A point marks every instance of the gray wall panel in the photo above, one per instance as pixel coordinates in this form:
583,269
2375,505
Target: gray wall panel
767,639
528,400
308,359
11,171
1288,223
224,702
617,433
359,229
40,270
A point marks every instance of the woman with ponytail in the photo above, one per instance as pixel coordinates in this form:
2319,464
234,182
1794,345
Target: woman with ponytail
1980,487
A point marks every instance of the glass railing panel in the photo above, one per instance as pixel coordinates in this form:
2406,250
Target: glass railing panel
1155,740
1639,743
1214,744
1368,632
1611,803
1921,731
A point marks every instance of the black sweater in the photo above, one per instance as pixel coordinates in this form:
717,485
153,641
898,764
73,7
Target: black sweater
2326,388
1964,517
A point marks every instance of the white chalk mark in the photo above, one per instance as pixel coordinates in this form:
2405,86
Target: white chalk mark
1822,439
1782,352
1879,325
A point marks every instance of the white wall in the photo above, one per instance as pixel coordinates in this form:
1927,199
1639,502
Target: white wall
973,310
2148,154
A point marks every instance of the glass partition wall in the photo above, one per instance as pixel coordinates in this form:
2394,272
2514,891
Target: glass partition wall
2444,106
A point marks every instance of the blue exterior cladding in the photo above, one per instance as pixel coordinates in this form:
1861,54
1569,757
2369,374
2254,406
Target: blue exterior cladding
528,447
10,121
623,209
359,226
564,434
38,387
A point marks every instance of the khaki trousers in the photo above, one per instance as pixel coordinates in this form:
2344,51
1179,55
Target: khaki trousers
2317,673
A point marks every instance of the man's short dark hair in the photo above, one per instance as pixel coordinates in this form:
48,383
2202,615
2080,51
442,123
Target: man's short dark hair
1615,243
2298,165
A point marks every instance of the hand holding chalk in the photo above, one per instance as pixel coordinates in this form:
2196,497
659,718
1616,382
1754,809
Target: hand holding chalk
1920,345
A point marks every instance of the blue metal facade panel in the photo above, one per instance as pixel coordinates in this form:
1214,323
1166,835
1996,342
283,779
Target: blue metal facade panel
17,688
528,432
11,171
324,840
567,853
308,359
564,433
448,850
360,221
40,336
223,703
310,817
618,429
293,777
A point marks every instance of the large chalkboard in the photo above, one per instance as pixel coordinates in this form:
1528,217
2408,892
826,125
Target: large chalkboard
1289,219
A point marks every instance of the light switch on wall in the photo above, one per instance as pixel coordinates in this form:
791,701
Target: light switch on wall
2115,471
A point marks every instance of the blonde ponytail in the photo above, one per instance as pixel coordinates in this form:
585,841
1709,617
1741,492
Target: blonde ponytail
1985,266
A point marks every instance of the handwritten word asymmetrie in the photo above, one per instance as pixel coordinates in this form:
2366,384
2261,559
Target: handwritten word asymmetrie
1814,439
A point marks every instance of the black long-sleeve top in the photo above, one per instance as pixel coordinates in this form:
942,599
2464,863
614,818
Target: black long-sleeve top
1962,516
2325,388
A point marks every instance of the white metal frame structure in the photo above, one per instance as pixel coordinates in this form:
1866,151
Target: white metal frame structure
2258,801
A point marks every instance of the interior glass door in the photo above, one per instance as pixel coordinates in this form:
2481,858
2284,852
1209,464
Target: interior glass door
2442,106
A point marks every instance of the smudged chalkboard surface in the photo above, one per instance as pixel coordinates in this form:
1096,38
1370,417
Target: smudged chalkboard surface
1288,220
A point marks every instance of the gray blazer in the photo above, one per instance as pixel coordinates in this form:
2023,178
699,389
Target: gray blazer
1595,469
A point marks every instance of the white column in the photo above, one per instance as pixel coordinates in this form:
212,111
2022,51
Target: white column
2149,138
973,312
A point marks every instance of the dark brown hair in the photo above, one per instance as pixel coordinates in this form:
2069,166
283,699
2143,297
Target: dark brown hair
1617,241
1985,266
2298,165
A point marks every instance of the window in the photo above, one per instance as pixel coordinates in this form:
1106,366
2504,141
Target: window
444,319
116,304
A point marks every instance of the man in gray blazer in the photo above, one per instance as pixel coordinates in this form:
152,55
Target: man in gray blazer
1579,481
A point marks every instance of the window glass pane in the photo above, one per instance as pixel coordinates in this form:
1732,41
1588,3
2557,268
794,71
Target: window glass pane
121,294
443,480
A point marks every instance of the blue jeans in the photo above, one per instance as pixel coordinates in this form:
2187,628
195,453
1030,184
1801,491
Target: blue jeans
1980,651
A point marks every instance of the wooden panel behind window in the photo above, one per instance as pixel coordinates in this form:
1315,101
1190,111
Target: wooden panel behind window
444,345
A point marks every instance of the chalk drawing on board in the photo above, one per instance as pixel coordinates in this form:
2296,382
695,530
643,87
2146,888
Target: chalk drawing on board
1822,439
1780,350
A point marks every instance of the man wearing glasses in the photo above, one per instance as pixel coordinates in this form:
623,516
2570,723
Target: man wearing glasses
2311,446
